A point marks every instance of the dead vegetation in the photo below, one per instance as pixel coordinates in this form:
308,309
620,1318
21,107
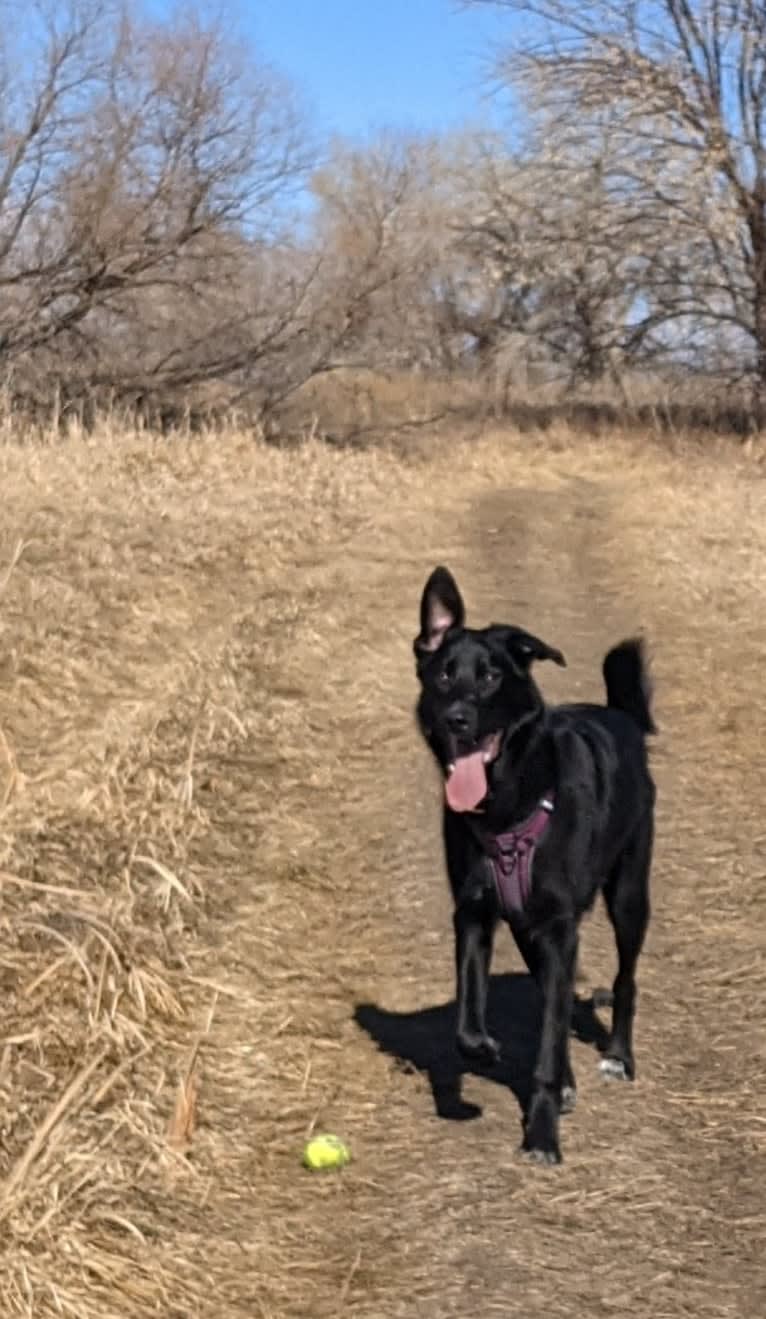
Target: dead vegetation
179,244
212,853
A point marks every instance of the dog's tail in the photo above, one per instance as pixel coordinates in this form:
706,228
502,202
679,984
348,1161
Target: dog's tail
628,685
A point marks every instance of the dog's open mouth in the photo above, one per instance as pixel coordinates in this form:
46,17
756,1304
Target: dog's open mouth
466,784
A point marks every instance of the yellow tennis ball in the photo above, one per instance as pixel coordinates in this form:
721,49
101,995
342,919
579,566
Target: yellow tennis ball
325,1152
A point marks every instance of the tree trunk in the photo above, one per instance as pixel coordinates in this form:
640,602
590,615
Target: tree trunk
757,227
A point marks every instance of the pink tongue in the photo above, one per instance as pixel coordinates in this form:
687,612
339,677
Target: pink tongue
467,784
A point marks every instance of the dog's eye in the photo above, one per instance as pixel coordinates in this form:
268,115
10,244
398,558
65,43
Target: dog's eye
443,680
489,677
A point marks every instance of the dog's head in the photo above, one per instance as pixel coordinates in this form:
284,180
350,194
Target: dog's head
476,688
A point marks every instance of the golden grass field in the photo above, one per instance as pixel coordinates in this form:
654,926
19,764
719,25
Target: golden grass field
225,923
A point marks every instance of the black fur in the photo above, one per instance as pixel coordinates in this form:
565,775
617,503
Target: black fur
477,692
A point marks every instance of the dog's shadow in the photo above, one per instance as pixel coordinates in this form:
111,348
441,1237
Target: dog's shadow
425,1041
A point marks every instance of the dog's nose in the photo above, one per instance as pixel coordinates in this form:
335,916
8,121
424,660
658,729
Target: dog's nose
458,720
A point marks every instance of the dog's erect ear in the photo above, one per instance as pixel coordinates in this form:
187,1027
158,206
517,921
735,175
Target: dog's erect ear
524,649
440,609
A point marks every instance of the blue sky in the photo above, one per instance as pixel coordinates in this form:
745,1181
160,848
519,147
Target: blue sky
369,64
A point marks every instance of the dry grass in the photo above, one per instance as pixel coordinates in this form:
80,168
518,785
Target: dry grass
357,407
217,840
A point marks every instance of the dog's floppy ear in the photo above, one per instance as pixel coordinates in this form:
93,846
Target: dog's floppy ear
441,608
525,648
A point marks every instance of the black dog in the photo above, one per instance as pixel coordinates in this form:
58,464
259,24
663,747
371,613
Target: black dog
544,807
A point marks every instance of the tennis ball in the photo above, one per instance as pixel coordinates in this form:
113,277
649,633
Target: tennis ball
325,1152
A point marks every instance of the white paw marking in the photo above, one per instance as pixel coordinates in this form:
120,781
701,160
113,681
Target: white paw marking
568,1098
548,1158
613,1070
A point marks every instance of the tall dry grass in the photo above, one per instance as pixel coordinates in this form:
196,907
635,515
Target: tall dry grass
131,570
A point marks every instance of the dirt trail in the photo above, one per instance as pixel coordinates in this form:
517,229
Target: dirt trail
658,1210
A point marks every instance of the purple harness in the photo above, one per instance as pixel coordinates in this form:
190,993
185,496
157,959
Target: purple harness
512,854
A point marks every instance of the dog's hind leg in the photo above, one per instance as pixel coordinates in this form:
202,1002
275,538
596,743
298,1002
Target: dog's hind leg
530,952
626,893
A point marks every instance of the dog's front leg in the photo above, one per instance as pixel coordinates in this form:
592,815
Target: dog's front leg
473,951
557,949
530,951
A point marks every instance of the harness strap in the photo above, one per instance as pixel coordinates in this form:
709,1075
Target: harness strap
511,856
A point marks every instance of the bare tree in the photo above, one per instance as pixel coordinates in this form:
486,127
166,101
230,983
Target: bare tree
539,281
382,225
683,82
149,250
143,165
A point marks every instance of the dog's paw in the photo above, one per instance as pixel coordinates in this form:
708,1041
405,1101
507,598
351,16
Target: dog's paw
616,1069
568,1101
540,1144
546,1158
479,1048
541,1141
